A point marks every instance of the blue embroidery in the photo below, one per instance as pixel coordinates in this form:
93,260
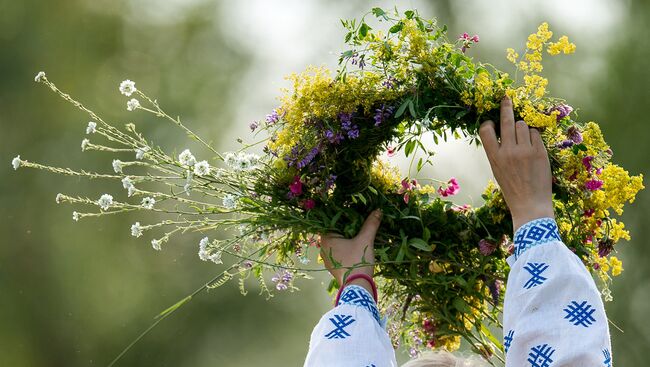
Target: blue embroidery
340,322
535,233
580,314
358,296
540,356
535,270
507,340
608,358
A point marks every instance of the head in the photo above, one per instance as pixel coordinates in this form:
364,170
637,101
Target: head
445,359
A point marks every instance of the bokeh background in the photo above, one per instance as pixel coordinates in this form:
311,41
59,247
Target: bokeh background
75,294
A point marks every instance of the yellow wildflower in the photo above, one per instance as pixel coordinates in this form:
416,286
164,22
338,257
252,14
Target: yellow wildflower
617,266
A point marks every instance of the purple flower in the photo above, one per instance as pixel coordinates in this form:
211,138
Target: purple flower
586,161
332,137
354,133
605,247
254,125
563,109
382,113
574,134
330,182
273,117
346,120
308,158
568,143
495,290
389,83
282,279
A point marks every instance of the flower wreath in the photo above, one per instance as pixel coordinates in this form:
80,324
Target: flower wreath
440,266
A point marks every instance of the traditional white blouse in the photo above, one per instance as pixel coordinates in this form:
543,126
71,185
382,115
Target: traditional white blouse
552,316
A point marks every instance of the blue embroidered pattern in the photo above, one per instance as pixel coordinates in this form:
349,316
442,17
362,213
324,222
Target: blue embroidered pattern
507,340
534,233
358,296
580,313
535,270
540,356
340,323
608,358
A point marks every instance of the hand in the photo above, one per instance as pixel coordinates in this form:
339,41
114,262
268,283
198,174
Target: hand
350,252
520,165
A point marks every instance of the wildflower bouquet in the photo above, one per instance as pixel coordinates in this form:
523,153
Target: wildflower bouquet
440,266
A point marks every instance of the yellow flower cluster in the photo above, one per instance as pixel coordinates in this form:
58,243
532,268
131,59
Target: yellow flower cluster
526,98
562,45
315,95
605,265
618,188
384,177
483,97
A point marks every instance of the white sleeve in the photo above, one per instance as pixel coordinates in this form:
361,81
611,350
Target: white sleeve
553,313
351,334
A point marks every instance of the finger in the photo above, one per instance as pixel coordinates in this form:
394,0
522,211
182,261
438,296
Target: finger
370,226
488,138
523,133
536,140
507,122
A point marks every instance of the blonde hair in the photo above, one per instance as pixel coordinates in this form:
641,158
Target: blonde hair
444,359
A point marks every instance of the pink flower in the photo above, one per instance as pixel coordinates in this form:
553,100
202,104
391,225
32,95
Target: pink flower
468,40
486,247
309,204
407,197
589,212
391,151
593,184
296,186
452,188
462,208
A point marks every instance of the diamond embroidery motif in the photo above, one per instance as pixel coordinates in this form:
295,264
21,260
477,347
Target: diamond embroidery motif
580,314
507,340
608,358
355,295
340,323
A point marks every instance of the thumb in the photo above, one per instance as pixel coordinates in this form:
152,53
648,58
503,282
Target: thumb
370,227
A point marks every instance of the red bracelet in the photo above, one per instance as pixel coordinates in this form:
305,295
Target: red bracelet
358,276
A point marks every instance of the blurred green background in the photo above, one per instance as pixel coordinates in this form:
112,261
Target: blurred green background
74,294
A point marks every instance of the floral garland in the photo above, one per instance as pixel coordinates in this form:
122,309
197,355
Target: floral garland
440,266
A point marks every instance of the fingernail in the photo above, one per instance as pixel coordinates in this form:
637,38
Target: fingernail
378,213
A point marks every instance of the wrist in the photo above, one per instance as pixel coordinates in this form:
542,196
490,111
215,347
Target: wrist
530,213
363,283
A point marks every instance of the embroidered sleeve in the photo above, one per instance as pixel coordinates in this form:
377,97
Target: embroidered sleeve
351,334
553,313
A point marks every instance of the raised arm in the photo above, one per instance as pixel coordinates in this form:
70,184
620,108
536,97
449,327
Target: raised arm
352,333
553,313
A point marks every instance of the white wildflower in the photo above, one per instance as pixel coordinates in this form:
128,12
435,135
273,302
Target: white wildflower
127,87
39,77
230,201
139,152
252,159
105,201
216,258
92,127
59,198
231,160
117,165
156,244
15,163
132,190
203,249
84,144
186,158
148,202
202,168
136,230
127,182
75,216
132,104
188,182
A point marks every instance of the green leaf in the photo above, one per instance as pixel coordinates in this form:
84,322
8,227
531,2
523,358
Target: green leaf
396,28
420,244
378,12
362,198
426,234
409,14
419,167
402,108
461,305
373,190
335,219
363,30
412,109
408,149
